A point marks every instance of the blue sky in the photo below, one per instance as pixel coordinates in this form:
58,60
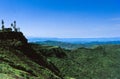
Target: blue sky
63,18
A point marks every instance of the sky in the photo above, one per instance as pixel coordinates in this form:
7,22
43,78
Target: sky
63,18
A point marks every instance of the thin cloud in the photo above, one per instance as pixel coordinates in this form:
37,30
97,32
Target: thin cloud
115,19
117,24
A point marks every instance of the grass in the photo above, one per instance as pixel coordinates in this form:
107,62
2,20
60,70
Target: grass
15,63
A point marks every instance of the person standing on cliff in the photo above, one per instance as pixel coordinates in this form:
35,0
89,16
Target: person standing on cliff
3,25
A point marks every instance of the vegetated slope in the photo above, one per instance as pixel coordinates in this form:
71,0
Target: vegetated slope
101,62
18,60
49,51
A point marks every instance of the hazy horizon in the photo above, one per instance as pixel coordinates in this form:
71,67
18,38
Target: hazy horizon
71,40
63,18
68,37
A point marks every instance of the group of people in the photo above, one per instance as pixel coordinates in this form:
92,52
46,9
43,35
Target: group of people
13,25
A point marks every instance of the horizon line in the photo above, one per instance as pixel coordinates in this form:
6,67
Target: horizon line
69,37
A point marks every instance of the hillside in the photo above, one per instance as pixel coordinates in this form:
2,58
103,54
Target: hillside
22,60
96,62
101,62
18,60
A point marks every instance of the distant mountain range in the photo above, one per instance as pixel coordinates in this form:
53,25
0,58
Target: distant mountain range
74,40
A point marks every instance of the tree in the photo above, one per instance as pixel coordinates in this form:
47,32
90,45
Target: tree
2,25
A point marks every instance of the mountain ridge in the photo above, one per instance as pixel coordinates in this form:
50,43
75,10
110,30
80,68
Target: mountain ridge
22,61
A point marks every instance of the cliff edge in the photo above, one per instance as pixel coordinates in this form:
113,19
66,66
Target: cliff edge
18,60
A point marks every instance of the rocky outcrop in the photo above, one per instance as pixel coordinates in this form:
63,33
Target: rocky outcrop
5,36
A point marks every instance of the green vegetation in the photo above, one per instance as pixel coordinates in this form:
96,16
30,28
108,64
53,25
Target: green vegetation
49,51
20,60
101,62
18,65
97,62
